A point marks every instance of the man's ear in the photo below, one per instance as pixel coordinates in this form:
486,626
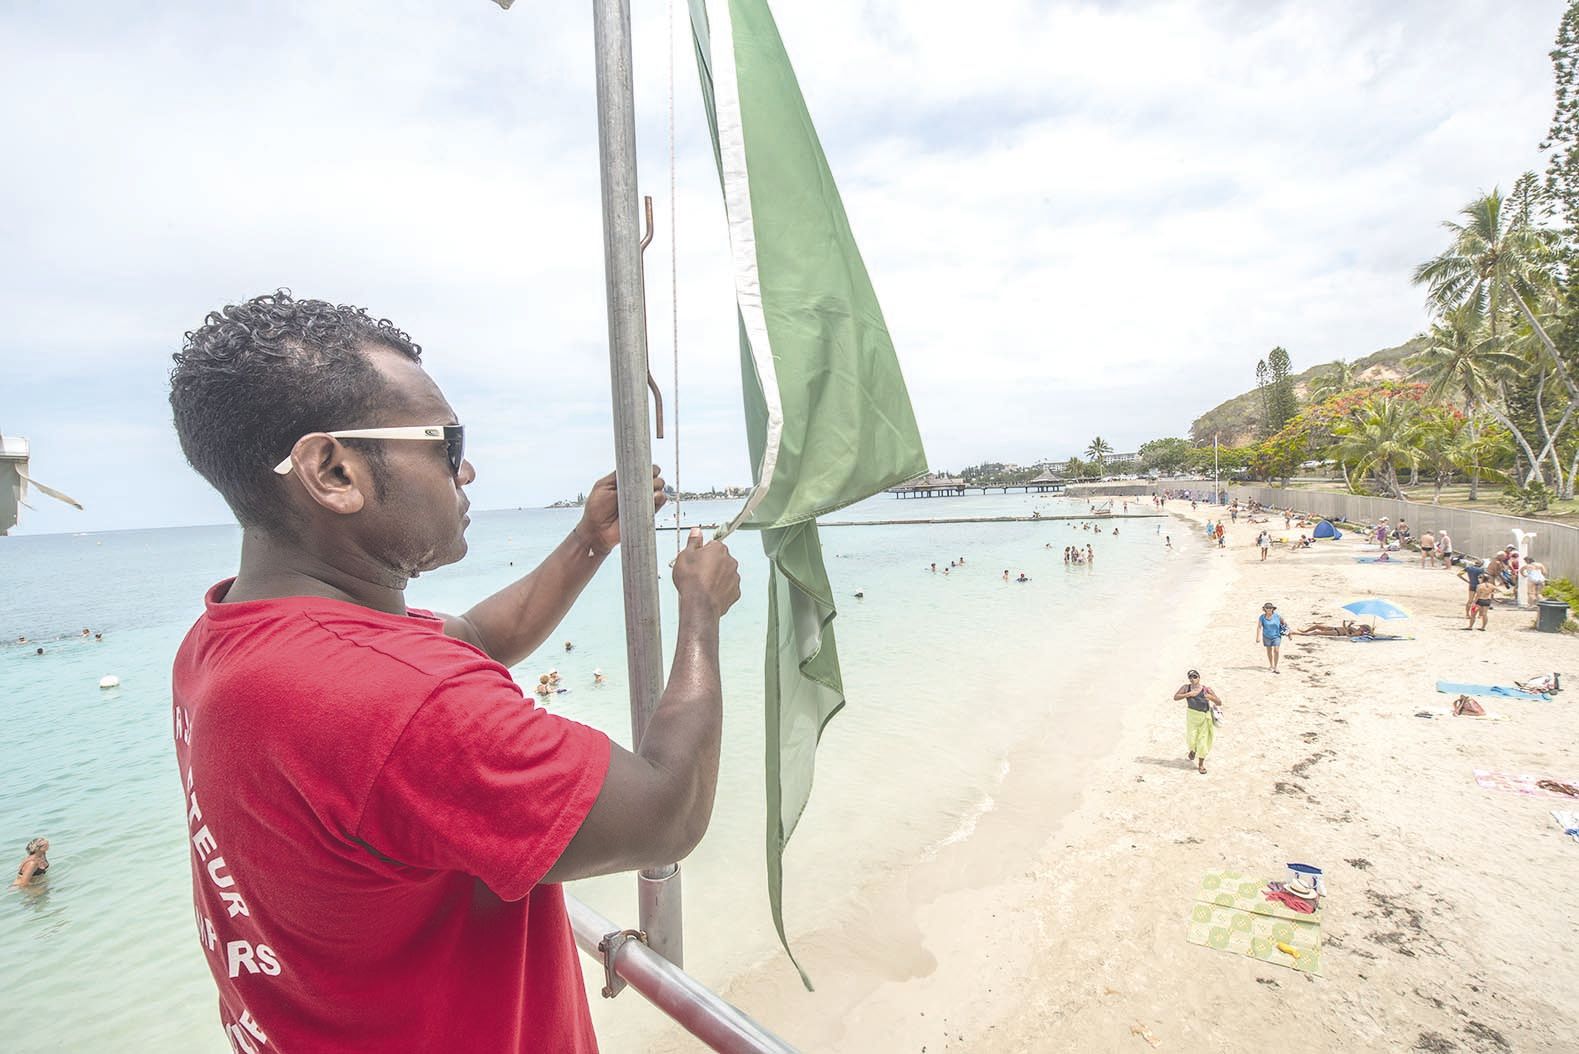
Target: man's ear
333,475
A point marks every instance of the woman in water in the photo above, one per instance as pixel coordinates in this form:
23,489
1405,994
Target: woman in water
35,863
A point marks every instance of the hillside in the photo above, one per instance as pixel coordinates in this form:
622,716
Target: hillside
1235,421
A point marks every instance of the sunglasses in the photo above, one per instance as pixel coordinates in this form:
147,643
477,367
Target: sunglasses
452,436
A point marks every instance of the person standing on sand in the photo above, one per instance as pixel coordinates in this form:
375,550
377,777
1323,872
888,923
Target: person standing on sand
1220,534
1427,549
1263,542
1270,628
1485,593
1472,573
1444,548
1199,729
1534,580
378,823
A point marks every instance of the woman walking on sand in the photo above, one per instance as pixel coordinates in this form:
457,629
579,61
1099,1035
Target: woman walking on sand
1270,628
1199,701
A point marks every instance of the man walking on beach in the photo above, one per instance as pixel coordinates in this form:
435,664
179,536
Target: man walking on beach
1270,628
1264,542
379,821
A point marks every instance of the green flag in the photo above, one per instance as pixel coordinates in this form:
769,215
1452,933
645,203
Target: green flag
828,418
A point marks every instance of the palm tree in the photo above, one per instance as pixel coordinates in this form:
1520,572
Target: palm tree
1381,437
1098,451
1461,364
1336,379
1495,259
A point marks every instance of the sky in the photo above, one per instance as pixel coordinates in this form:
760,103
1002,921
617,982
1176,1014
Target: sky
1081,218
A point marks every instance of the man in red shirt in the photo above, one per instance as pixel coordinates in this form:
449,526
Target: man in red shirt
379,820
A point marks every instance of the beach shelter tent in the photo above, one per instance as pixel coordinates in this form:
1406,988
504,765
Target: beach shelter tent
1325,529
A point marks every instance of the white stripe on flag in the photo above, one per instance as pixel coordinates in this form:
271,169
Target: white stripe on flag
743,242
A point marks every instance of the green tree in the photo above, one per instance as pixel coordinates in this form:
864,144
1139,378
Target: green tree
1098,450
1502,265
1276,389
1381,438
1464,365
1562,139
1334,380
1074,468
1165,456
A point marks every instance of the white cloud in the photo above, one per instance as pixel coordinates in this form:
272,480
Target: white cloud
1080,217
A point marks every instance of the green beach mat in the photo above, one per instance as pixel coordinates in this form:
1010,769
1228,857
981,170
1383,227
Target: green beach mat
1230,914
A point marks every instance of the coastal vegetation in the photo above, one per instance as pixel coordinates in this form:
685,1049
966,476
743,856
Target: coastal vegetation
1488,394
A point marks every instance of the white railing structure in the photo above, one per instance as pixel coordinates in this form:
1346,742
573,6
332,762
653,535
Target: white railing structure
693,1006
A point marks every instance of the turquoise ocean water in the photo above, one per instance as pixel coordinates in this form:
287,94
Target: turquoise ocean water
945,674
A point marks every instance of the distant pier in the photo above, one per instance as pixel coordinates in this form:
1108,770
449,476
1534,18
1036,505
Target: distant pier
954,519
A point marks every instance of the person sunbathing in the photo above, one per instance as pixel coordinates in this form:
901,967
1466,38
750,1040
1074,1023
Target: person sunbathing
1322,629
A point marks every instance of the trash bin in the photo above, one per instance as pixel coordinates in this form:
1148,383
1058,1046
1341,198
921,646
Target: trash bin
1553,613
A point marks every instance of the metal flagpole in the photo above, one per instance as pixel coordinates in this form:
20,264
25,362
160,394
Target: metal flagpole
658,889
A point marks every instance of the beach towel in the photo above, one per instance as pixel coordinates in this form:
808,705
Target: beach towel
1231,914
1453,688
1569,822
1375,560
1521,783
1371,638
1231,889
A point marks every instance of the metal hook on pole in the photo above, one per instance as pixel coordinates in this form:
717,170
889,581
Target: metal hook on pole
657,396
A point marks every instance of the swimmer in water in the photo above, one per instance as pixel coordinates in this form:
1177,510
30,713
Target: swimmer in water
598,680
35,863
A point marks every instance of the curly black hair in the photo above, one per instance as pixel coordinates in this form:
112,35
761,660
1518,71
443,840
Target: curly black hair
256,377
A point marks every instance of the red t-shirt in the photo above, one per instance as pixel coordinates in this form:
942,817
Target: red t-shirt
371,805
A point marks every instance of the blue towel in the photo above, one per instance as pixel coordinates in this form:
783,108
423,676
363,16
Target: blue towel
1384,636
1376,560
1488,689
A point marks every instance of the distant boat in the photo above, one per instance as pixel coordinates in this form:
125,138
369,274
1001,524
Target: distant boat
14,482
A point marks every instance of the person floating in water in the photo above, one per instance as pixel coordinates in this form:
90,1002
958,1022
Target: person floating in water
598,680
1022,578
35,863
569,646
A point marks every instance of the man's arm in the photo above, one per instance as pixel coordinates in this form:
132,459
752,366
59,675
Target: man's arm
655,804
515,621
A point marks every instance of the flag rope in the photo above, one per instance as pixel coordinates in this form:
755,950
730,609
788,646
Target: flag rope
674,291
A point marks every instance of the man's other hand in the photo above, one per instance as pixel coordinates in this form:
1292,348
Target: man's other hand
707,573
600,516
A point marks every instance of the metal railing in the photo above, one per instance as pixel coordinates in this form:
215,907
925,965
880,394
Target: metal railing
692,1005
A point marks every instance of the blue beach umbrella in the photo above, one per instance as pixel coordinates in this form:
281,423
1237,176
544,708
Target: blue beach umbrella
1377,607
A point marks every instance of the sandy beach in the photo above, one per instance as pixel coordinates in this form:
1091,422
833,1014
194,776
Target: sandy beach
1061,923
